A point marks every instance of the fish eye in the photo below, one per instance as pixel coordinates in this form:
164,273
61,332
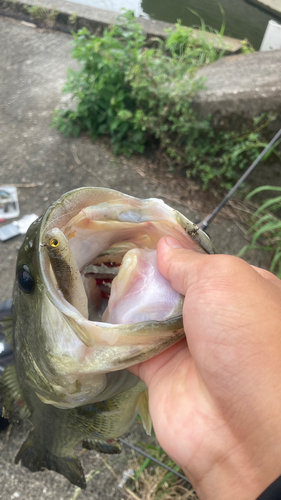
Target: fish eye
54,242
25,279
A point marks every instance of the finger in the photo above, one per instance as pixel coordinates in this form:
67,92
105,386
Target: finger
268,276
178,264
147,369
184,267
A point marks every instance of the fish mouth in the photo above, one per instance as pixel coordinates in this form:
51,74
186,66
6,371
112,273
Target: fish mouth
112,238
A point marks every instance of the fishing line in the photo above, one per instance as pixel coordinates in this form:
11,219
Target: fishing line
158,462
206,222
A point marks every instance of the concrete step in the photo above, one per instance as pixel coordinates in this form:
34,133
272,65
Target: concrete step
272,6
241,87
73,16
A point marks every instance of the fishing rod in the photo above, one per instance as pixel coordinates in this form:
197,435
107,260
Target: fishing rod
158,462
209,218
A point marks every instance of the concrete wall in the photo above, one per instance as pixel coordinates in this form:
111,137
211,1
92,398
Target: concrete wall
73,16
241,87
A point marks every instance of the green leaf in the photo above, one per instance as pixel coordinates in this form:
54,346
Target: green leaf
114,124
244,250
144,465
272,150
276,260
261,189
270,203
270,226
261,220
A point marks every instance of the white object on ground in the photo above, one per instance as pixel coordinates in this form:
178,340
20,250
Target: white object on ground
17,227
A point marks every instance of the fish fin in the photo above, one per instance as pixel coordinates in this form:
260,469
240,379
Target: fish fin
15,408
7,328
143,411
37,458
110,446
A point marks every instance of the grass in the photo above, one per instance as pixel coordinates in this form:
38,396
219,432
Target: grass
139,478
265,227
43,15
152,482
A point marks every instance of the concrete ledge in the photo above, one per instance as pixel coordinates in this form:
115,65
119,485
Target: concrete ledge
240,88
73,16
272,6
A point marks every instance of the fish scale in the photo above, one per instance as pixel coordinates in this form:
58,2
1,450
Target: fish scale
70,377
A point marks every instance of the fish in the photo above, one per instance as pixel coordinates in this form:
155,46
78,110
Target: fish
88,303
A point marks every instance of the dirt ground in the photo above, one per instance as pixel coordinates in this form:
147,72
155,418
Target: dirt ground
43,164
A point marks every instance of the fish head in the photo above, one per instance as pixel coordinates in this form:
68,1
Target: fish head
89,300
29,338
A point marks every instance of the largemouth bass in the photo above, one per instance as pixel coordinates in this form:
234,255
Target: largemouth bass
89,302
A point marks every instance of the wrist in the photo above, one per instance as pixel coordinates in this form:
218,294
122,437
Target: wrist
240,475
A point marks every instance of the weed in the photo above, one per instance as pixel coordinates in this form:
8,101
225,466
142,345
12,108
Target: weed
266,228
247,48
137,95
73,18
196,50
225,155
37,13
154,482
42,14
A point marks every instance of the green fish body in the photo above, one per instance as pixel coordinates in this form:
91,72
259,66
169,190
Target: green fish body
77,326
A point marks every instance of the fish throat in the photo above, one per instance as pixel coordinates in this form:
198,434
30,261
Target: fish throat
104,264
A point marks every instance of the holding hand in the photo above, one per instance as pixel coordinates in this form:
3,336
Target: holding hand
215,398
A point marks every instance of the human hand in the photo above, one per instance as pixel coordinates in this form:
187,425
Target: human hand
215,401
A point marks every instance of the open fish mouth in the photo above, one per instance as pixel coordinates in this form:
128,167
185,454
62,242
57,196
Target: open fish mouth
109,304
109,244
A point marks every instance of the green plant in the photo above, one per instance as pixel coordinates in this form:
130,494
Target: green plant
247,48
195,48
153,481
266,228
73,18
225,155
42,14
38,13
135,95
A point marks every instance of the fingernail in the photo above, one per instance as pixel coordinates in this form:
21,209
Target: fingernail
173,242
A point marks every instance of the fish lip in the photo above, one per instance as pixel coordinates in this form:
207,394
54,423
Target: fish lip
65,208
64,201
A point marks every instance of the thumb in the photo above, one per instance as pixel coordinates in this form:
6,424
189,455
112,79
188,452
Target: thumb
178,263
